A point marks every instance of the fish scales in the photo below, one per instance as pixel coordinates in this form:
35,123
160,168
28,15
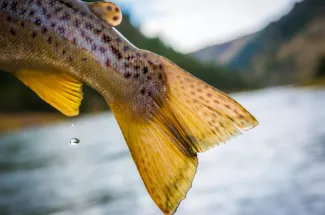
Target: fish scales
74,22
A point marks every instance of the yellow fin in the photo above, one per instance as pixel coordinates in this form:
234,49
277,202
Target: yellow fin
166,171
58,89
205,115
107,11
192,118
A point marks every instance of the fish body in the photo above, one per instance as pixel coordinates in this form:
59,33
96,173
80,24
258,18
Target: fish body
166,115
66,36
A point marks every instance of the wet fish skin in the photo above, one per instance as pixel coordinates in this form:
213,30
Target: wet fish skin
68,37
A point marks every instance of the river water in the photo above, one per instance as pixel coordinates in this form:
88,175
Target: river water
277,168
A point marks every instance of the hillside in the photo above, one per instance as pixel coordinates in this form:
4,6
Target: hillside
290,50
15,97
222,54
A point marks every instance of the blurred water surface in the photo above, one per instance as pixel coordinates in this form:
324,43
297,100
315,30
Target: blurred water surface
277,168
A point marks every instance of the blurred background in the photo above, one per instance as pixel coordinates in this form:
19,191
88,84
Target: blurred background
268,54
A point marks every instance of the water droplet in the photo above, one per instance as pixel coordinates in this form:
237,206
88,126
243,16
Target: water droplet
74,141
73,125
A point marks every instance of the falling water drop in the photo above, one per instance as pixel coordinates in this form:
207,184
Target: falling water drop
73,125
74,141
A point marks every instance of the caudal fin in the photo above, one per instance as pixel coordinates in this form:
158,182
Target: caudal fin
193,118
206,115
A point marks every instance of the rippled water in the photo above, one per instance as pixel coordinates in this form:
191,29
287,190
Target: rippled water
277,168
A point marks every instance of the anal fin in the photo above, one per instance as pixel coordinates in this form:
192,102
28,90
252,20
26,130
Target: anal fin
59,89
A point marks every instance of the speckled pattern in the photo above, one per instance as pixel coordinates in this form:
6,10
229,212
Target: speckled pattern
68,27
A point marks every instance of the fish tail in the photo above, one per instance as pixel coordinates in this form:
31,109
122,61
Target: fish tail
205,115
192,118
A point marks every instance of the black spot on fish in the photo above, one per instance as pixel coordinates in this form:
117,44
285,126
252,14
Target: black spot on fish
13,6
116,52
13,32
136,75
84,59
9,19
89,26
93,47
43,10
76,23
106,38
67,4
33,34
98,31
82,33
63,52
125,48
70,58
127,75
66,16
22,24
23,11
53,25
129,57
31,13
44,30
143,91
102,49
49,40
89,40
4,4
109,8
152,65
145,70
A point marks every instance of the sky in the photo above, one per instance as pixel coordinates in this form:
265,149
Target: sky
188,25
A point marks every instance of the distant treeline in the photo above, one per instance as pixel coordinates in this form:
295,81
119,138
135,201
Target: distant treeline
14,96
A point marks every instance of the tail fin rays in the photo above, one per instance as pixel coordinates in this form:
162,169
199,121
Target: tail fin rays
166,171
206,114
193,118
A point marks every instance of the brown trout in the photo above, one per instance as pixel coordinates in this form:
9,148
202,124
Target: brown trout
166,115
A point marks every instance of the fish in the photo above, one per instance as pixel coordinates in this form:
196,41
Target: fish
167,116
